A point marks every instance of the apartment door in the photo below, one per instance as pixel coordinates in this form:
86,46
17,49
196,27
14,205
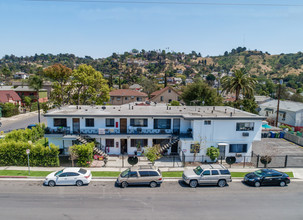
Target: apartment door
123,125
222,150
176,126
123,144
76,125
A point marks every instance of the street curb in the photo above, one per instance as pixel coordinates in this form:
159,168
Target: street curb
13,176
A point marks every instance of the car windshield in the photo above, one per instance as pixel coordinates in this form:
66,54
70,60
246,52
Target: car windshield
198,170
58,173
259,173
124,173
82,171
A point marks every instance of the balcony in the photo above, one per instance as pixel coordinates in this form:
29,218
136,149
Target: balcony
102,131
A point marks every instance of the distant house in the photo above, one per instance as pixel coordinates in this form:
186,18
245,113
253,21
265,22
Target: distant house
124,96
136,87
290,113
9,96
23,91
165,95
46,85
261,99
188,81
21,75
177,80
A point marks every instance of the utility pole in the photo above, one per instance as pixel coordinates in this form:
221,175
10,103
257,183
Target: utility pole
279,94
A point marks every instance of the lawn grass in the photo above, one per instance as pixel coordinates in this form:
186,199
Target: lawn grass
176,174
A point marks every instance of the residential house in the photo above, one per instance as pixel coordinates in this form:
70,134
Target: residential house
9,96
290,113
46,85
261,99
136,87
124,96
27,91
121,129
21,75
165,95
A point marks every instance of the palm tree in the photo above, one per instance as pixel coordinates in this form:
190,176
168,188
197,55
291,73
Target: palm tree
36,82
239,83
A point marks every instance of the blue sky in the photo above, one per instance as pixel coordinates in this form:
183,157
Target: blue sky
99,29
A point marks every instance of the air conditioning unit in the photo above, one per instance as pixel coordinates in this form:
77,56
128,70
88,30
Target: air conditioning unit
245,134
238,155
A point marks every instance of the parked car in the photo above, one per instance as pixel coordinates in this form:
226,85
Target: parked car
140,176
267,177
210,174
69,176
31,126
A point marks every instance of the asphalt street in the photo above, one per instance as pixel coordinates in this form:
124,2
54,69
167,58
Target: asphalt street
173,200
20,121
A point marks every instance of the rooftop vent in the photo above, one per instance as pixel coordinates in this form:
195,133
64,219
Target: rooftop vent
231,114
225,110
86,110
212,111
214,108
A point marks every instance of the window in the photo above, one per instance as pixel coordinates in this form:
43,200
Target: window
224,172
153,173
110,122
195,148
82,171
126,98
60,122
214,172
237,148
169,101
245,126
162,123
161,98
206,172
139,99
63,175
72,174
207,122
138,142
133,174
169,91
118,98
89,122
109,142
138,122
276,175
144,173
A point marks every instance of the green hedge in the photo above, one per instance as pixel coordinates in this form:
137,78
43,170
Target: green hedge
9,109
13,153
84,154
26,135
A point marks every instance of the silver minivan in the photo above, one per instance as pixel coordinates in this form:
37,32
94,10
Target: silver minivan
140,176
209,174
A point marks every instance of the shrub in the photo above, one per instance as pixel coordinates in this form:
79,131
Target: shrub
84,153
265,160
174,103
213,152
152,153
34,107
13,153
230,160
9,109
26,135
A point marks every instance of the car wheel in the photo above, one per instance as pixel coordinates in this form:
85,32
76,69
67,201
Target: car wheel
257,184
51,183
221,183
124,184
153,184
79,183
282,184
193,183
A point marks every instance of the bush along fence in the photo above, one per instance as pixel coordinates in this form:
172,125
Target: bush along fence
82,153
13,149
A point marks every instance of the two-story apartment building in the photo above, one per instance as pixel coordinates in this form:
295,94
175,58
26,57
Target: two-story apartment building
121,129
124,96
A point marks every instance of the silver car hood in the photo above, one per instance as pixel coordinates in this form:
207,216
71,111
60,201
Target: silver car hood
190,172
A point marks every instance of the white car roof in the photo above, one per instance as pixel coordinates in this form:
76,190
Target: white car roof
71,169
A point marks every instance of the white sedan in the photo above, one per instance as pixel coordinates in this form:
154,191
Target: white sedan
69,176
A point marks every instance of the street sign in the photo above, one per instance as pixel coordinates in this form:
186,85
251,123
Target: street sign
28,151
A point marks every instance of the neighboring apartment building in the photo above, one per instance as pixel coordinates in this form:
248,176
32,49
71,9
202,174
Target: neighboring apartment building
165,95
290,113
120,129
27,91
9,96
125,96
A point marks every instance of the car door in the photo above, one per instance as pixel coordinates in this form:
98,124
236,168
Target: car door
215,176
267,180
144,177
71,178
61,179
205,178
276,178
133,178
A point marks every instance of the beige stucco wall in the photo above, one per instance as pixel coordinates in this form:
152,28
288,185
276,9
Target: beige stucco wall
166,97
114,100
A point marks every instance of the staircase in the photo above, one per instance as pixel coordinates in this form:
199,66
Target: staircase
165,146
87,139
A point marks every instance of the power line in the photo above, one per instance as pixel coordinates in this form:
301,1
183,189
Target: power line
173,3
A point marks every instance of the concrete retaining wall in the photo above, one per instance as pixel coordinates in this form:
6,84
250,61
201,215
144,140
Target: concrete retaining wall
294,138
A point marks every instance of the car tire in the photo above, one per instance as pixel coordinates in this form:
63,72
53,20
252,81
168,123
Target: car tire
124,184
193,183
51,183
79,183
282,184
153,184
257,184
221,183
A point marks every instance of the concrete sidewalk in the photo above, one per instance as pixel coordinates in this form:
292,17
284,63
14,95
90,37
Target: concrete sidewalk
298,172
18,117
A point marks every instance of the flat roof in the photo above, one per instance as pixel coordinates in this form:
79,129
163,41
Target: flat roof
186,112
284,105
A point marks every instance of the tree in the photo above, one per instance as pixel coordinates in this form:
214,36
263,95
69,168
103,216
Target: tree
152,153
27,101
149,86
213,152
36,82
89,86
199,92
239,83
60,74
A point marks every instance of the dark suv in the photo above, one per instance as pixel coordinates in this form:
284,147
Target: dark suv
267,177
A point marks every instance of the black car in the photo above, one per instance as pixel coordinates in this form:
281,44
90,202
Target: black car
266,177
